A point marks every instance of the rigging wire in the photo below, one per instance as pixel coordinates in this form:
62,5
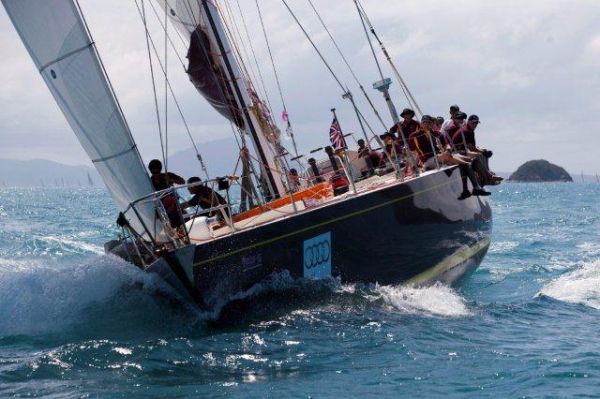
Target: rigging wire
255,58
345,91
362,21
367,97
166,95
289,124
315,47
171,41
222,86
407,93
236,37
162,147
176,101
234,128
230,20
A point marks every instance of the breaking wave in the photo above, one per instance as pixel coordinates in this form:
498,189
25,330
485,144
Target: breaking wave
581,286
36,298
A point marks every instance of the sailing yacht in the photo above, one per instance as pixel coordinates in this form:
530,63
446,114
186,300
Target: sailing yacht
382,225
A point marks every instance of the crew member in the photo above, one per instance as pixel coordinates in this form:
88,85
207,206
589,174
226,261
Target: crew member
204,197
162,181
392,148
464,142
452,126
294,180
453,110
438,122
407,126
372,158
432,150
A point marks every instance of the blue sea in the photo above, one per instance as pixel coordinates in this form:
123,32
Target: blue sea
75,323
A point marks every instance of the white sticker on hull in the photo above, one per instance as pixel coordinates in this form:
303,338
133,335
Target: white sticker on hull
317,256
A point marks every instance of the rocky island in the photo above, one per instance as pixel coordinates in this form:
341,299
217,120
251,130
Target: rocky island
540,171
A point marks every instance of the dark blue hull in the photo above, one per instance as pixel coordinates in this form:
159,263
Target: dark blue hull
413,232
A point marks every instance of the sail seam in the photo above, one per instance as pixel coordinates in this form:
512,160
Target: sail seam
70,53
118,154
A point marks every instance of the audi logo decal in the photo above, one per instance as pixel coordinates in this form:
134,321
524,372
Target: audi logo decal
317,256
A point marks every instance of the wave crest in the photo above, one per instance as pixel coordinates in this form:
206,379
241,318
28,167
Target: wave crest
581,286
435,300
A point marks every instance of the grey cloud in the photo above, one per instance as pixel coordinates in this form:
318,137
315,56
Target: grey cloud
528,69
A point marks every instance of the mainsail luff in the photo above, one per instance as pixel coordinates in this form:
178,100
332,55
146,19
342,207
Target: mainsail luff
216,73
57,39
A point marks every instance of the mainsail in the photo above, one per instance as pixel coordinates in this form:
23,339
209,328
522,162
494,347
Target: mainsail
215,72
57,40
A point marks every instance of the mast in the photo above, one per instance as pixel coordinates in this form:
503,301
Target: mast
60,45
216,73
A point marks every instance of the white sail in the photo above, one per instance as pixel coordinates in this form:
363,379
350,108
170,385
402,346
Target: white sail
215,72
57,40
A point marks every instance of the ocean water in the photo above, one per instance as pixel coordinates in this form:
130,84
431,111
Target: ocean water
76,323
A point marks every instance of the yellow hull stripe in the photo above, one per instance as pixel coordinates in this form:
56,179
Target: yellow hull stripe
449,263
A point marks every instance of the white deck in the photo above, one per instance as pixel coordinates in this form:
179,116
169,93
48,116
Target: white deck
200,232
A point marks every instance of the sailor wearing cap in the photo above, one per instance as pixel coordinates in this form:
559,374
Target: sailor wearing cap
424,142
407,126
464,141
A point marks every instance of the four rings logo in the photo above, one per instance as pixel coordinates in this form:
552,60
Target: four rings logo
317,256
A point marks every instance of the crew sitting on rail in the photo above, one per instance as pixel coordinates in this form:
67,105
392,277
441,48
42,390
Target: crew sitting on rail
464,142
438,121
454,109
433,150
449,128
407,126
204,197
162,181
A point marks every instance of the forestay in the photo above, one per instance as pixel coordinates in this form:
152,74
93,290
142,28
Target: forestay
57,40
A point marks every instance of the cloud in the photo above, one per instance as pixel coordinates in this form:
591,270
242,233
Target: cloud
527,68
591,52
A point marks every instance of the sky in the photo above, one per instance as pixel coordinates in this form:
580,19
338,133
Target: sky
529,69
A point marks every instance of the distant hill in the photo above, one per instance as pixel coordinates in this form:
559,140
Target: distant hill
540,171
41,172
220,157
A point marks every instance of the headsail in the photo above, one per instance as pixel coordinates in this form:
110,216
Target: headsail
215,72
57,40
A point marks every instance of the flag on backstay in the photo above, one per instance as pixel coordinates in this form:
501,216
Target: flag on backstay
335,135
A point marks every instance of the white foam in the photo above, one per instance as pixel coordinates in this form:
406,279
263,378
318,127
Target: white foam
581,285
436,300
70,245
503,246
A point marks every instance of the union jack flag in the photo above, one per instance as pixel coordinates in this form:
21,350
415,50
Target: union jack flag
335,135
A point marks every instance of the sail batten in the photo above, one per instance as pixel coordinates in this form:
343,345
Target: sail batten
57,39
65,56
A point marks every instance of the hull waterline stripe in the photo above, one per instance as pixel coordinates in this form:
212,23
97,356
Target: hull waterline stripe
449,263
315,226
70,53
